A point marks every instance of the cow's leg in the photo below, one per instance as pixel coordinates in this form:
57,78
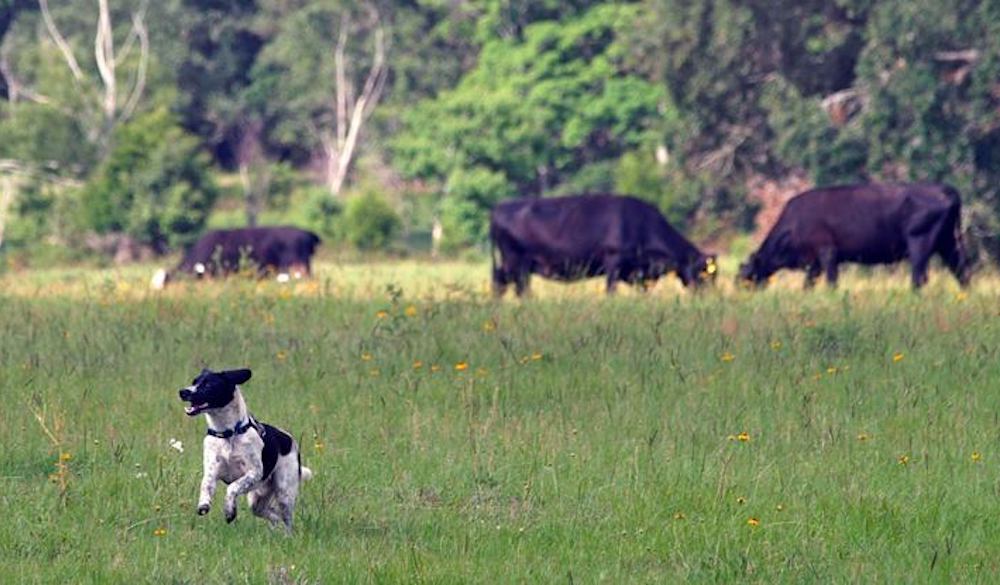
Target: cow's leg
953,253
500,281
613,268
522,282
918,263
828,261
919,251
812,273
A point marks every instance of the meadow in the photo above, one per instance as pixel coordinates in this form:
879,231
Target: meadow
845,435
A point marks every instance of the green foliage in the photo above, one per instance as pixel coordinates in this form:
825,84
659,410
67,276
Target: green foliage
534,98
41,135
370,223
323,213
536,110
667,186
154,184
469,194
805,137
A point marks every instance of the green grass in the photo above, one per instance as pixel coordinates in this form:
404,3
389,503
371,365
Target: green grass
589,439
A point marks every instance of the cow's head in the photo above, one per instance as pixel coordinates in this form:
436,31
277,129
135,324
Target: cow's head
703,269
753,273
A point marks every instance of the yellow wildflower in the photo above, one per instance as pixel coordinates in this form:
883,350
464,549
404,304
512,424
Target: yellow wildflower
65,457
727,357
536,356
417,364
897,357
779,507
281,356
381,314
863,436
489,325
461,366
410,311
743,437
741,500
753,522
977,456
435,367
160,532
903,459
366,356
679,516
775,345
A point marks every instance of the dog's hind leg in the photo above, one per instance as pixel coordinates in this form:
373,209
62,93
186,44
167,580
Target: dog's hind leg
262,505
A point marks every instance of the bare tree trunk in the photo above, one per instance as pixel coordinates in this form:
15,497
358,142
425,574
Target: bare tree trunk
254,176
8,190
352,114
111,111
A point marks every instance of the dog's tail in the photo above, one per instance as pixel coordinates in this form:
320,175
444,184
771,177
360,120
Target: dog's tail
304,472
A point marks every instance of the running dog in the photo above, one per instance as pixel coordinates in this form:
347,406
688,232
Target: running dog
250,457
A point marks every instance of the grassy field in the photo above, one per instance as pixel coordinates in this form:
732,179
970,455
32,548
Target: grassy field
783,436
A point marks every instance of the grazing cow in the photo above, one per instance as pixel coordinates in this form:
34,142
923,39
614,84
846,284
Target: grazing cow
865,224
286,251
569,238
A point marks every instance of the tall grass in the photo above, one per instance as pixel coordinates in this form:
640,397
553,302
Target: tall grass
828,436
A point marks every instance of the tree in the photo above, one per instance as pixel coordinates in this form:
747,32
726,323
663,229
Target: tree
539,109
154,184
306,87
114,105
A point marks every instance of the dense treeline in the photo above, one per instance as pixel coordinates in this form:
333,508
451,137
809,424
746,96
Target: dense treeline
131,121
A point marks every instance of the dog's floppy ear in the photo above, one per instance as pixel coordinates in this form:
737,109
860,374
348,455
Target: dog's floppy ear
237,376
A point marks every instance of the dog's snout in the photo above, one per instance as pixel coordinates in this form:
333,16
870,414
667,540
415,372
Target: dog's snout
184,393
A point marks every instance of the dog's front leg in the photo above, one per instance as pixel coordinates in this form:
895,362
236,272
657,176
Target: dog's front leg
209,477
255,471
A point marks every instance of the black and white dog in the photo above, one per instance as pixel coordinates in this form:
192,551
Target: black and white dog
251,457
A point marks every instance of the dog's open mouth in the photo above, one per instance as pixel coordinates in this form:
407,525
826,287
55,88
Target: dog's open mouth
195,408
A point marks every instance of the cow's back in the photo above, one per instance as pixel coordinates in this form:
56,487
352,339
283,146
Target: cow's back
576,227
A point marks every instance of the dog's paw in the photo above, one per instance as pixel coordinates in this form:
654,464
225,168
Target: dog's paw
203,509
230,514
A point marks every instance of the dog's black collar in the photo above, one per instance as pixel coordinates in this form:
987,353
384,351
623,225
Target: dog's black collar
238,430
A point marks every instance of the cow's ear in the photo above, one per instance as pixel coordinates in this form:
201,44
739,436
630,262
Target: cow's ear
711,263
237,376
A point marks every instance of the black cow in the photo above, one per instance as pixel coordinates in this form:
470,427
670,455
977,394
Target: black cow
569,238
866,224
282,250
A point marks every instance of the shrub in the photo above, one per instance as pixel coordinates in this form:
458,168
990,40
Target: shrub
154,185
668,187
370,222
465,209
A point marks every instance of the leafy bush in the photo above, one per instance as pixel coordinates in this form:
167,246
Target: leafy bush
154,185
470,194
323,212
666,186
370,222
